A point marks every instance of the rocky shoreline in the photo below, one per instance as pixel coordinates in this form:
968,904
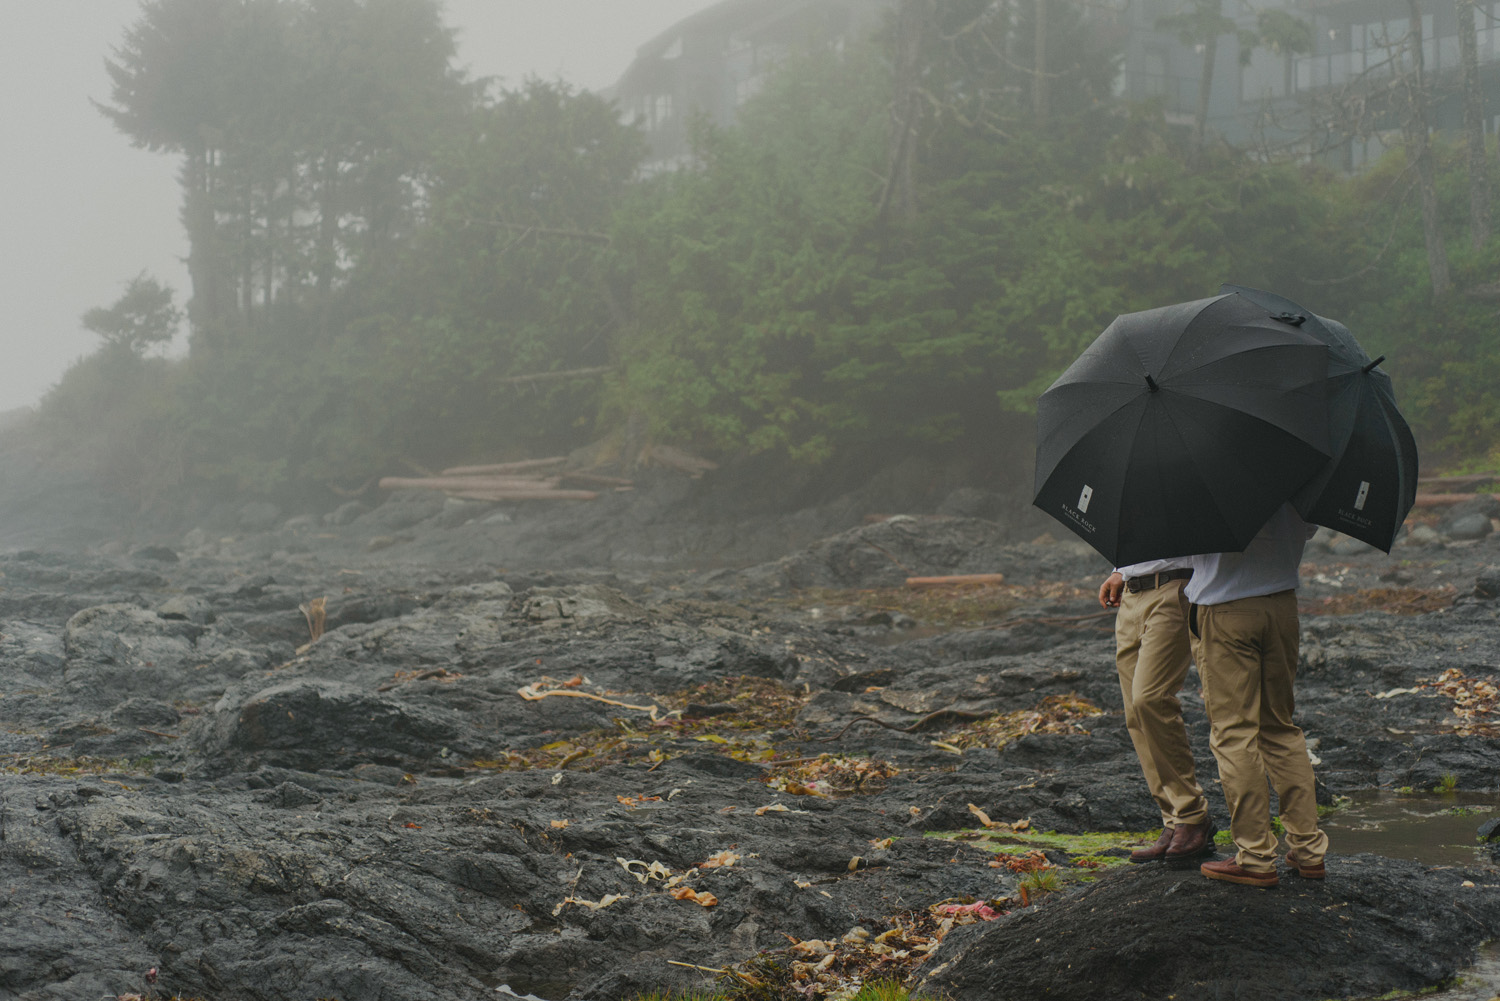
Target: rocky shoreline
541,749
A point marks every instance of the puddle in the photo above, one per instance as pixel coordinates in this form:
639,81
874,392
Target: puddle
1435,828
1480,982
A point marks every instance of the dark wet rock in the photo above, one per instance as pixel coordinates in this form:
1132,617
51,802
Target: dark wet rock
347,512
1422,535
1349,546
187,607
1468,526
1487,583
885,554
401,510
377,813
159,554
1487,505
312,725
1374,926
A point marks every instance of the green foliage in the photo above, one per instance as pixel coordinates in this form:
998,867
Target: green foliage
887,990
384,255
1447,783
761,978
145,315
117,414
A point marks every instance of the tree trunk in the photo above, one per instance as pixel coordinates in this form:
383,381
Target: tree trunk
207,305
1039,66
325,256
898,197
1205,90
1419,155
1479,185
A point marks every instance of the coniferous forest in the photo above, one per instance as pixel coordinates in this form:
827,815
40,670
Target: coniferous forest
897,245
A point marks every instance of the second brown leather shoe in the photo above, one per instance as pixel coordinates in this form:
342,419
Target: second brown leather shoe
1153,853
1230,872
1191,841
1306,871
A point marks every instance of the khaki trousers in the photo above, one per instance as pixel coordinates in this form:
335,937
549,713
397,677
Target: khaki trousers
1247,657
1152,656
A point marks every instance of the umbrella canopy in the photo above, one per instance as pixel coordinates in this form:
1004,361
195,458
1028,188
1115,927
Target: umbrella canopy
1181,430
1367,489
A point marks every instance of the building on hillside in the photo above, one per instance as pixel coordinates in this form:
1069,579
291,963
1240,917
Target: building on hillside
711,61
1264,100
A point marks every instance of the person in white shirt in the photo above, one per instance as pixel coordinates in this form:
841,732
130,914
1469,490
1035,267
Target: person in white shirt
1244,623
1152,658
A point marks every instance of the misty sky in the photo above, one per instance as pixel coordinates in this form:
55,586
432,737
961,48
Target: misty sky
81,212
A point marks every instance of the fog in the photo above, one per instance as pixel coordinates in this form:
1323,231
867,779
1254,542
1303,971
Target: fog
82,212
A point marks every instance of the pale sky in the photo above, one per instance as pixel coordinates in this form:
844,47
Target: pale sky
81,212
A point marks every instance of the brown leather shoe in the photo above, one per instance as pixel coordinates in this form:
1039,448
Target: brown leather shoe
1156,851
1306,871
1230,872
1190,841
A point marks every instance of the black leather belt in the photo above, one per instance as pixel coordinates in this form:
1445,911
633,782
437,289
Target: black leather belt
1137,584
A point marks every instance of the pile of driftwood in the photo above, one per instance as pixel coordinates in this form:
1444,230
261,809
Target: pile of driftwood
1441,491
530,479
543,479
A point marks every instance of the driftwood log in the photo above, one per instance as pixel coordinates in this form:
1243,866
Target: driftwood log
523,494
503,468
956,580
1441,500
493,483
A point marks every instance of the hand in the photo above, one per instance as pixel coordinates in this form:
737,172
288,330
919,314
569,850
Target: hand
1109,591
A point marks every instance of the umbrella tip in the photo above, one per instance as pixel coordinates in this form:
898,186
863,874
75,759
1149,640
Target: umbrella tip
1151,384
1377,361
1295,319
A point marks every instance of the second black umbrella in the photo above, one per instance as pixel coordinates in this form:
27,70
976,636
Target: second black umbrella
1181,430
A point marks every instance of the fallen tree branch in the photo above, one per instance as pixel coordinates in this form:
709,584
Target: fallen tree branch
530,694
930,721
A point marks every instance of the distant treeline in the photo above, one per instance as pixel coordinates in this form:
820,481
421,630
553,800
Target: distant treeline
901,243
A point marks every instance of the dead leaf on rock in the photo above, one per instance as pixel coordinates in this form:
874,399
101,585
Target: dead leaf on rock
723,859
703,899
648,870
593,905
559,824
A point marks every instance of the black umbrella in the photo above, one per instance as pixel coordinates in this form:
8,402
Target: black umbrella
1368,487
1181,430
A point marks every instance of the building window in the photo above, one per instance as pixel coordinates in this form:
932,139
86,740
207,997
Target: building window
1264,77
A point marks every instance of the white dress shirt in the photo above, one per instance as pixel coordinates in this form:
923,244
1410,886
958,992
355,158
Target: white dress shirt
1150,567
1268,564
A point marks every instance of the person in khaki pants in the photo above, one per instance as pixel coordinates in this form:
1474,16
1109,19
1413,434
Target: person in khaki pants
1245,640
1152,657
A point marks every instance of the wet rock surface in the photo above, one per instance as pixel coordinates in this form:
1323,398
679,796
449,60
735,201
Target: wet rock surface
567,764
1164,923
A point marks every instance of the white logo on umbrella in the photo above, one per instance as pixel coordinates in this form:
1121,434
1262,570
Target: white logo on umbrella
1364,491
1084,498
